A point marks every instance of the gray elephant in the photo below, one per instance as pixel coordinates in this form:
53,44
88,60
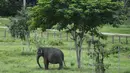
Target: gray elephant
50,55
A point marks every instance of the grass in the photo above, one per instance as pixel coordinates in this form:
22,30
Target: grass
122,30
4,21
13,59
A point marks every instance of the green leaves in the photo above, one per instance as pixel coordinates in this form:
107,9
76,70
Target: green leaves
10,7
85,15
18,26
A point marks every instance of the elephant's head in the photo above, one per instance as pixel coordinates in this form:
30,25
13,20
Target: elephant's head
40,52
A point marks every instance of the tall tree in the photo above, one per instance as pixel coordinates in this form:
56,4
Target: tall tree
10,7
18,26
31,2
78,17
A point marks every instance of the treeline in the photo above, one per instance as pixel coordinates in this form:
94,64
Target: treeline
11,7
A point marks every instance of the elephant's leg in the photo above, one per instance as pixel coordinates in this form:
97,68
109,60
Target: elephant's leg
46,63
60,65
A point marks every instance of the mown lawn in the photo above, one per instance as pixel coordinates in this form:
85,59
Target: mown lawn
4,21
13,60
121,29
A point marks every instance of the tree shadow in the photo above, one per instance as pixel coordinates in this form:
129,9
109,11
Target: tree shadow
127,72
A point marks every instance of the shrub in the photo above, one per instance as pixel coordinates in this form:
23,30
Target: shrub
56,43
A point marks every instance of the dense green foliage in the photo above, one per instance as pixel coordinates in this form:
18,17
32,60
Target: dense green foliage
31,2
18,26
78,13
98,52
10,7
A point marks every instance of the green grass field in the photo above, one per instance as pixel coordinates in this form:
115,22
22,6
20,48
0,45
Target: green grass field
4,21
13,59
122,29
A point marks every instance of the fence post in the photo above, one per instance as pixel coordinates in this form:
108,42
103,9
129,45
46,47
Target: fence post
41,34
126,40
5,34
93,55
28,41
23,50
54,35
67,36
119,39
119,59
60,36
47,35
92,38
35,36
112,39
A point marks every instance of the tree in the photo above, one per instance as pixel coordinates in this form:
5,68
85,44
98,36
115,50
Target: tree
78,17
99,52
10,7
18,26
31,2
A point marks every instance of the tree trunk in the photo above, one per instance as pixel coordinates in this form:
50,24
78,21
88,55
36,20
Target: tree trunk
97,67
78,46
78,39
102,64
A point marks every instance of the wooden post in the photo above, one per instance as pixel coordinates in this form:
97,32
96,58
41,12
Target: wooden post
119,39
54,35
60,35
47,35
112,39
126,40
35,36
41,34
28,41
23,50
23,46
118,59
92,38
67,36
5,34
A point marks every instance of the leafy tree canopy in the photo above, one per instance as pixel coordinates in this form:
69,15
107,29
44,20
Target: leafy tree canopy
10,7
31,2
81,13
18,26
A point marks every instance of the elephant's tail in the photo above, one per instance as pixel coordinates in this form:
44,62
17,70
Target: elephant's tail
64,64
63,61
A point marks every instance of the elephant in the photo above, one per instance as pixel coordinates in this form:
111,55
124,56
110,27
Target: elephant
50,55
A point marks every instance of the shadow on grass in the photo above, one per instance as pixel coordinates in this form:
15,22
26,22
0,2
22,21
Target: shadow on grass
27,53
52,69
127,72
66,69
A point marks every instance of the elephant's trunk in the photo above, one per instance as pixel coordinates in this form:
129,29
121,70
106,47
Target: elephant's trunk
38,61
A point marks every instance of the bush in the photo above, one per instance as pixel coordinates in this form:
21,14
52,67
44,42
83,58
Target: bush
56,43
18,26
10,7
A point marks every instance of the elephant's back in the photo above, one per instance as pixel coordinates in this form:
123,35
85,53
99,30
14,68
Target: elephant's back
55,50
55,55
